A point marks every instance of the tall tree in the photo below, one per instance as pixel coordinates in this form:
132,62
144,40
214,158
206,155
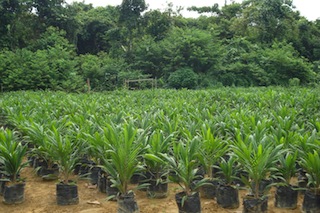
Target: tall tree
49,11
56,13
265,20
16,23
157,24
182,47
98,26
130,16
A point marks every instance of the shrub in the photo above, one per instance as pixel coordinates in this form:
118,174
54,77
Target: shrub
294,82
183,78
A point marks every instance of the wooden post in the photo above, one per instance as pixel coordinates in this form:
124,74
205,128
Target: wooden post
88,84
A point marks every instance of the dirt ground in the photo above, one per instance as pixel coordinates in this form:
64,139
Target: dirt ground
40,198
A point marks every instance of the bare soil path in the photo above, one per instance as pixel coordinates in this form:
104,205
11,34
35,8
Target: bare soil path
40,198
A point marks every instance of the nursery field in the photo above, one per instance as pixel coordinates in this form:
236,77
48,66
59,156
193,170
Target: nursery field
188,141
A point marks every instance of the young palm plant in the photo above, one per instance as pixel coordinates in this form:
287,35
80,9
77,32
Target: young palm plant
227,192
12,154
98,144
306,143
97,147
259,160
156,166
121,161
39,155
185,164
65,152
212,149
286,194
311,163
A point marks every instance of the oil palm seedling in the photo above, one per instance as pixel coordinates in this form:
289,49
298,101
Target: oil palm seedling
12,153
259,160
97,146
212,149
184,162
65,152
122,162
311,163
39,157
86,167
286,194
227,192
306,143
156,167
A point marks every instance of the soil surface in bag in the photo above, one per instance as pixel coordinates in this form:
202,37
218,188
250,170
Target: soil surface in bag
286,197
191,203
40,197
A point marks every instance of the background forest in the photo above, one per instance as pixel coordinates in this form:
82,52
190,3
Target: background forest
49,44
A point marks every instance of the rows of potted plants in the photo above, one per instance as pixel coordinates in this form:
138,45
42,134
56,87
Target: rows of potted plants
12,154
120,160
263,144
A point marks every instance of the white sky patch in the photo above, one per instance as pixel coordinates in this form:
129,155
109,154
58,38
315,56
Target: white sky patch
308,8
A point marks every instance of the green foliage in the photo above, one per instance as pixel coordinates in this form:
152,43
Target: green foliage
212,149
12,154
121,159
130,10
294,82
253,43
103,71
157,144
241,65
258,159
184,163
265,20
194,48
282,63
51,66
157,24
247,64
17,24
287,168
228,169
65,151
200,10
99,30
149,57
191,47
183,78
311,163
51,38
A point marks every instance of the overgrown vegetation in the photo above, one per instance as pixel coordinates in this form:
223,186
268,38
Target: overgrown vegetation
58,46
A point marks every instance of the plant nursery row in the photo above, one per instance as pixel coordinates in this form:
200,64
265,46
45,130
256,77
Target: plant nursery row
212,143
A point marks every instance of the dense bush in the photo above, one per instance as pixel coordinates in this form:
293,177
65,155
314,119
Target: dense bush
102,70
47,64
44,69
183,78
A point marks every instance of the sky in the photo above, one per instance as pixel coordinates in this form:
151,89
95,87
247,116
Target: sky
308,8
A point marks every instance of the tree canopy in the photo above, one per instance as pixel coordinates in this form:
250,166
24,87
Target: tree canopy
54,45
